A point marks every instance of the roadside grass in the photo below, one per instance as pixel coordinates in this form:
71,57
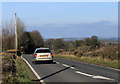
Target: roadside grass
97,61
23,72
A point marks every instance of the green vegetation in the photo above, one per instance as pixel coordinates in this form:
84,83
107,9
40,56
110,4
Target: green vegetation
93,53
24,74
88,47
98,61
9,69
27,41
15,69
8,34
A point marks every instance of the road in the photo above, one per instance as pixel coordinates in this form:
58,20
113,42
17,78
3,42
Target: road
62,70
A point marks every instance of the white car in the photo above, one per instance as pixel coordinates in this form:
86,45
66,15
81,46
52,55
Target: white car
43,54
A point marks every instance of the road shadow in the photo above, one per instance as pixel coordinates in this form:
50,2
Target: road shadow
52,74
44,62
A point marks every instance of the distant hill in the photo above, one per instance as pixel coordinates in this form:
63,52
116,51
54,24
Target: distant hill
108,39
81,38
73,39
67,39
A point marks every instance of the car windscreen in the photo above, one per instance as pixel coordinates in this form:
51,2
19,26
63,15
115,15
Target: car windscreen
43,51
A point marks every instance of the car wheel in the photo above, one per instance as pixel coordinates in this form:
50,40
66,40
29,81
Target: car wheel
33,62
51,61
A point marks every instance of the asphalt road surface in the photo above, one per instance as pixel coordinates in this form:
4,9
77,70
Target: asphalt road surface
62,70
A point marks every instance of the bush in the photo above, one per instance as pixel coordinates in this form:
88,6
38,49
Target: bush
81,50
75,53
79,54
9,69
110,52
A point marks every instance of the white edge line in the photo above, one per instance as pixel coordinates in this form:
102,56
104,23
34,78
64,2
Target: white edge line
36,74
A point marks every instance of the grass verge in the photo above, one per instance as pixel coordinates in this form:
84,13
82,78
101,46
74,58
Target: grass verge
97,61
23,72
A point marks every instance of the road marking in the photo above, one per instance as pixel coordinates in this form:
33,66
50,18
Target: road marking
89,75
72,67
97,77
84,74
36,74
68,66
101,77
65,65
57,62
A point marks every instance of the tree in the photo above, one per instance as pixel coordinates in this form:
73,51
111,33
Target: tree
5,39
20,31
37,38
27,43
8,34
49,43
78,43
20,27
95,42
87,41
59,44
71,45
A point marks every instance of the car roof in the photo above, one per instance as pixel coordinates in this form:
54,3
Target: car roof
40,49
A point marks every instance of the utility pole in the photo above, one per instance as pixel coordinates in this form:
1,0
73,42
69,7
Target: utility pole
16,37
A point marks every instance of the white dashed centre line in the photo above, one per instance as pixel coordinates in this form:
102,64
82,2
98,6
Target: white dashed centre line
68,66
57,62
72,67
84,74
97,77
101,77
65,65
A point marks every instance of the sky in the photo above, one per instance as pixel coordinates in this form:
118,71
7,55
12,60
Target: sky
65,19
